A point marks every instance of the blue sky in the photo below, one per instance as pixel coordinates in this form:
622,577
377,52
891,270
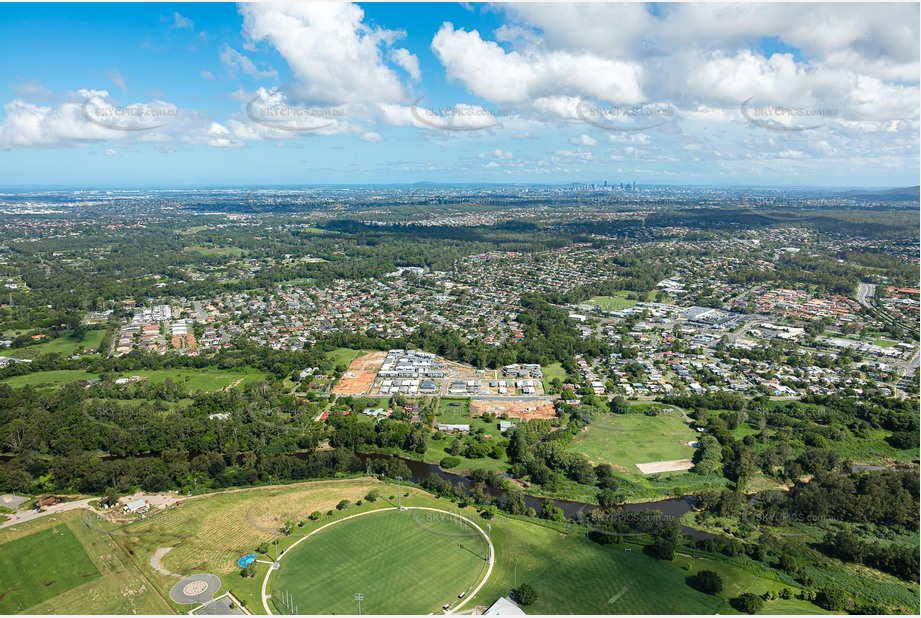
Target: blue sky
225,94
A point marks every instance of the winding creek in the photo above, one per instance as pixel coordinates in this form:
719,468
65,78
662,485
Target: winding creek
672,507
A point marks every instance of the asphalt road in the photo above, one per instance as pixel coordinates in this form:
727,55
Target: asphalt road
865,290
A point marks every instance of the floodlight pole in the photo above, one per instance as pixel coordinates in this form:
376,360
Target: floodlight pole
359,597
399,494
488,542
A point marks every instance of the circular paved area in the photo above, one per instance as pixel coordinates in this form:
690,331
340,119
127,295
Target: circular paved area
199,588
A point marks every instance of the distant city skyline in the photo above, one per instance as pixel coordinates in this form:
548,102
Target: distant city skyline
251,95
408,184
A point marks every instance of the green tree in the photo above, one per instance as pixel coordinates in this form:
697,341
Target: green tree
607,498
525,594
709,581
832,599
618,405
788,563
748,602
663,548
449,462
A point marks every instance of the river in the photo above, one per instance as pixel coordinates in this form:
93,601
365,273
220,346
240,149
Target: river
672,507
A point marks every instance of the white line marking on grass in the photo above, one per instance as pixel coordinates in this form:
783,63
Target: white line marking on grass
492,552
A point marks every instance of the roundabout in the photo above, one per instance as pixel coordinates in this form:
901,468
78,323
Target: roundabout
414,561
195,588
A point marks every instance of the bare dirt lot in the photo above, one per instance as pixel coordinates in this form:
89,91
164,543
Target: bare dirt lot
673,465
360,376
538,408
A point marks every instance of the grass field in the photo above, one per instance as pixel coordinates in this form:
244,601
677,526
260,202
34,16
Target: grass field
52,558
49,379
453,410
574,575
869,448
67,346
208,380
63,345
624,440
885,343
553,371
208,534
343,356
300,281
457,411
86,572
409,562
217,251
612,303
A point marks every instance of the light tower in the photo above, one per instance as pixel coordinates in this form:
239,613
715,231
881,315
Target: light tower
399,494
488,542
359,597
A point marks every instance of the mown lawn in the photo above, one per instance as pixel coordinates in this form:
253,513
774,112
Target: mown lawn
41,566
570,573
381,555
574,575
612,303
625,440
554,370
49,379
57,564
343,356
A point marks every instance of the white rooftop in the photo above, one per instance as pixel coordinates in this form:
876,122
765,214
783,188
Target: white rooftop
504,607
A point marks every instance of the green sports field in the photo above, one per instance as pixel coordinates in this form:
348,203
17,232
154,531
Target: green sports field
410,562
612,303
625,440
58,565
41,566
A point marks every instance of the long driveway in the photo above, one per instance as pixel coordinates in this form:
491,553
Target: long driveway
22,517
